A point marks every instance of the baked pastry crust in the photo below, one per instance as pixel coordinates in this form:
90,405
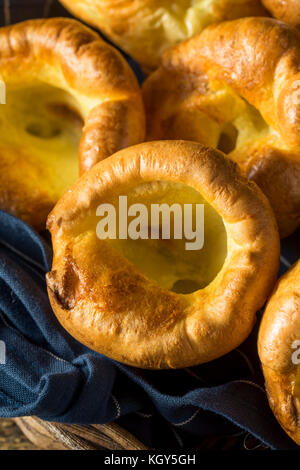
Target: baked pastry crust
146,28
60,75
107,303
279,328
238,80
284,10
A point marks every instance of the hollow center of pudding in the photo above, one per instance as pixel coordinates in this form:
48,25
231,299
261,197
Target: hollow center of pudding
215,115
41,126
185,258
239,123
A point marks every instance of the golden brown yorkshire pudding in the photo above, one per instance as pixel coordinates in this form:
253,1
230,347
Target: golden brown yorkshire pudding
236,87
279,351
146,28
66,89
149,302
284,10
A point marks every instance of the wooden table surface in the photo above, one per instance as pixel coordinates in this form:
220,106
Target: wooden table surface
11,438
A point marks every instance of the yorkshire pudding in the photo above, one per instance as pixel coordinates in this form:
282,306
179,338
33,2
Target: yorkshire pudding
236,87
150,302
59,76
284,10
279,351
146,28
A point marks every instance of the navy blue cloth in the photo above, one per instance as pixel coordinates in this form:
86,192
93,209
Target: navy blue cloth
49,374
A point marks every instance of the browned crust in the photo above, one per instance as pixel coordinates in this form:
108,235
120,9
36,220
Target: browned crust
260,59
91,69
284,10
106,303
277,173
141,27
105,132
279,329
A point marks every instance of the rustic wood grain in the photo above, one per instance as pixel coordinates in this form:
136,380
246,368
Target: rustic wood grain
57,436
12,438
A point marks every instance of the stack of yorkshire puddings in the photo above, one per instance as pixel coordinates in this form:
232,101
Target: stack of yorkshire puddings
215,126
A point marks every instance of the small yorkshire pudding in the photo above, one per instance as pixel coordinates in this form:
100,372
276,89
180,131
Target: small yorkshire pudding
146,28
236,87
149,302
67,92
279,351
284,10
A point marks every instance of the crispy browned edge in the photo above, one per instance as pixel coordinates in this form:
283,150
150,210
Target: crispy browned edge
93,69
284,10
279,328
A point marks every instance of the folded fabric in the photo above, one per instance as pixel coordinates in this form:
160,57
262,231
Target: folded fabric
49,374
